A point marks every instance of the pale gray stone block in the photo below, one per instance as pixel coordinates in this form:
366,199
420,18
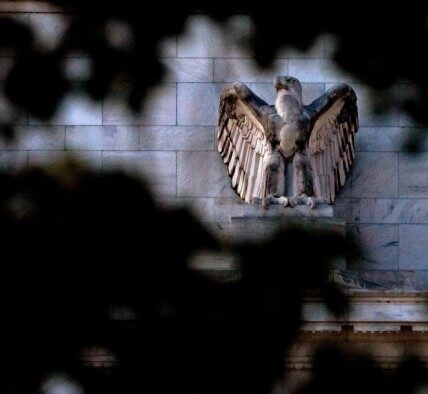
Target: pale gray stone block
74,109
246,70
393,211
36,138
347,209
102,138
376,311
178,138
421,280
413,175
381,280
159,108
266,91
382,210
202,174
188,70
205,38
48,28
197,103
414,246
6,64
49,158
368,100
78,68
317,70
374,175
380,139
158,168
257,210
378,246
13,161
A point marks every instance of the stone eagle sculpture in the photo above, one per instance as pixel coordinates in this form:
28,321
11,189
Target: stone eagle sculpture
287,153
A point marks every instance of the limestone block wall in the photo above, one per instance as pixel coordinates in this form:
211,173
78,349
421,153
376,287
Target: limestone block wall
172,143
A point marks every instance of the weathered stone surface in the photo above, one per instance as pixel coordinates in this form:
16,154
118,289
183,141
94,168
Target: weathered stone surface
394,211
159,168
380,139
266,91
258,210
347,209
378,246
12,161
413,175
75,109
261,228
204,38
376,311
197,104
202,174
413,247
421,279
36,138
189,70
85,138
159,108
382,210
381,280
177,138
373,175
246,70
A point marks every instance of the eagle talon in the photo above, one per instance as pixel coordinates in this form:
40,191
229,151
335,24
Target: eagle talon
311,202
283,201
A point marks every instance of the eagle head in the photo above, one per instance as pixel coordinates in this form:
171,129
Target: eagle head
289,84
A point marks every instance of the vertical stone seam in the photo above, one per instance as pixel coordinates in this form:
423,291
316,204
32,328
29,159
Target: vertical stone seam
140,136
176,104
176,174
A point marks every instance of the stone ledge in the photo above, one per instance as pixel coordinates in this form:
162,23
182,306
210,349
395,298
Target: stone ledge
370,312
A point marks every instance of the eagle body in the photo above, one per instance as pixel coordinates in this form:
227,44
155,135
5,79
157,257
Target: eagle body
259,142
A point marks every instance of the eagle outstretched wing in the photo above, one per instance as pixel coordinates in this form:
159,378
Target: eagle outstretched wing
243,140
331,146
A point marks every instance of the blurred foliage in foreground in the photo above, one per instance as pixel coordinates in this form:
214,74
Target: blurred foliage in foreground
90,261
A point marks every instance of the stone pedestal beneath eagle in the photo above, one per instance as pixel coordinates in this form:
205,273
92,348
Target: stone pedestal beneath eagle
287,153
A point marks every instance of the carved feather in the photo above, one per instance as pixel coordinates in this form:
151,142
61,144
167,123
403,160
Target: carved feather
331,146
243,143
